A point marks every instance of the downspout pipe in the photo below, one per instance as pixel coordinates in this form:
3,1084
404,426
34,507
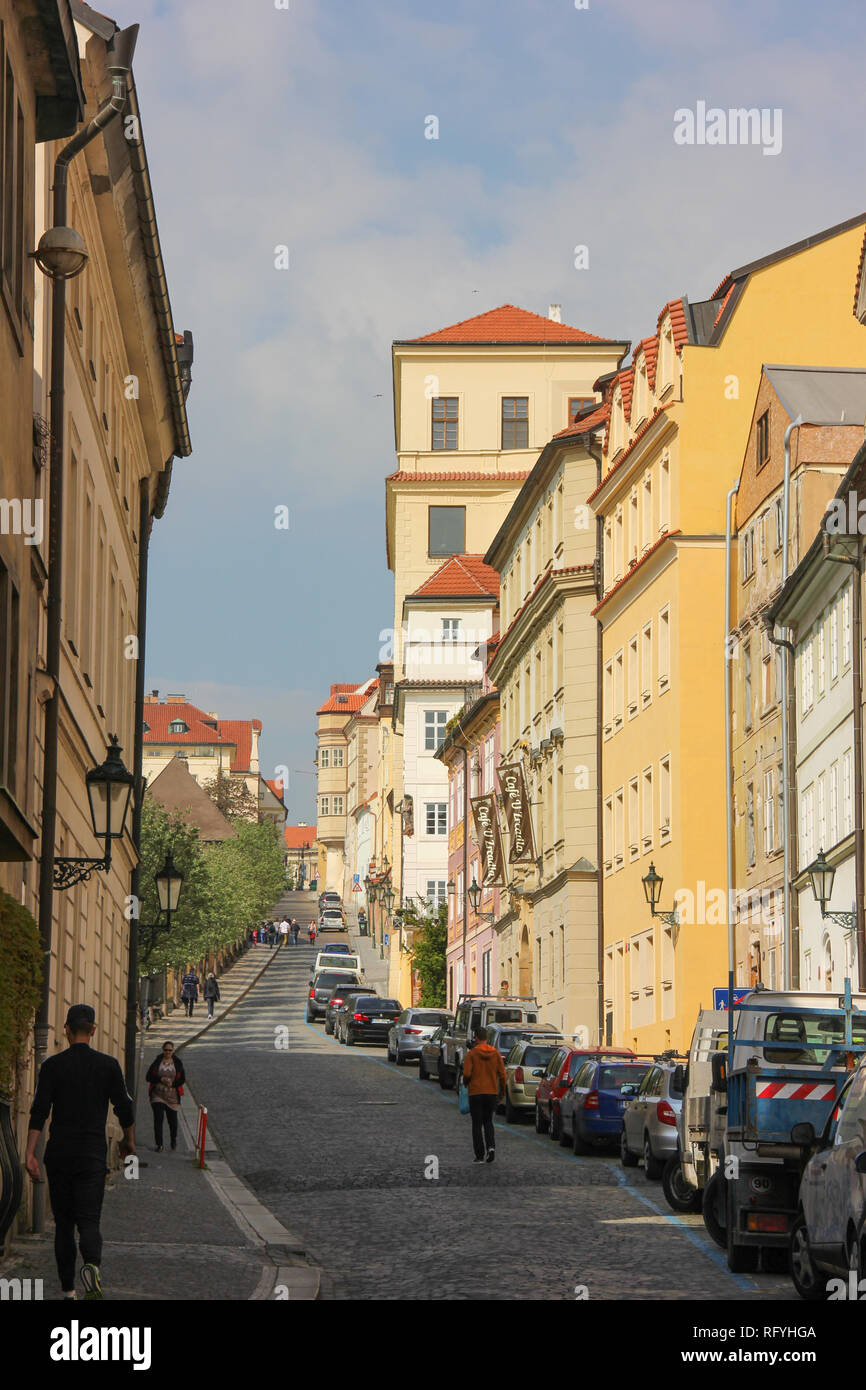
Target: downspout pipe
144,524
595,453
729,771
857,682
120,55
788,954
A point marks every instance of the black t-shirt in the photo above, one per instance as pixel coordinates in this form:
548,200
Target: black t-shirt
77,1086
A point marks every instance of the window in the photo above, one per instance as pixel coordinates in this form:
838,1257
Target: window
833,826
608,698
619,827
324,757
337,757
748,554
647,520
762,537
177,726
807,825
665,798
847,797
12,195
807,682
664,493
337,806
822,660
779,515
846,627
437,892
577,404
834,644
450,629
646,664
633,819
434,728
607,835
617,544
750,825
769,814
445,420
617,690
485,973
666,372
633,674
9,663
762,441
647,808
664,648
822,810
747,682
446,531
633,528
768,673
515,422
324,805
436,817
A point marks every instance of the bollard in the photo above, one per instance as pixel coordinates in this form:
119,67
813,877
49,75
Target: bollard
202,1134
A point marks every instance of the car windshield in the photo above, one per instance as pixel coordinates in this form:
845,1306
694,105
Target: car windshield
337,949
428,1020
327,979
371,1002
614,1078
504,1015
537,1056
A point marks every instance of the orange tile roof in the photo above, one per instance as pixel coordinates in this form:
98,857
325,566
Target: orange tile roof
346,699
298,836
625,381
627,576
461,576
508,324
201,729
240,732
650,349
586,424
728,292
676,309
456,477
276,787
660,410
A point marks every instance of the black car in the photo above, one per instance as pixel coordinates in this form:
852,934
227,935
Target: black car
370,1019
342,997
323,987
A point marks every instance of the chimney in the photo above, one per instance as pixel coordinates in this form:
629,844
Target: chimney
152,698
175,699
554,312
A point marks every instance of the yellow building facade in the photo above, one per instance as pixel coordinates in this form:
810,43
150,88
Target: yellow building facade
680,418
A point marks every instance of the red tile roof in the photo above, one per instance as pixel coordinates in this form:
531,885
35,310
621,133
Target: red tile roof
638,437
627,576
625,382
297,836
353,697
461,576
676,309
456,477
508,324
650,349
722,306
201,729
276,787
586,424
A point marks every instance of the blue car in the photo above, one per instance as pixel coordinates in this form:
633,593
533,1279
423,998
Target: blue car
591,1109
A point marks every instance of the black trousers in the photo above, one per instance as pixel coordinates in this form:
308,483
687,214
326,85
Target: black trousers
189,1005
76,1187
160,1112
482,1109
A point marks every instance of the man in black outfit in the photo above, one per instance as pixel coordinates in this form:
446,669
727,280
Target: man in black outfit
76,1086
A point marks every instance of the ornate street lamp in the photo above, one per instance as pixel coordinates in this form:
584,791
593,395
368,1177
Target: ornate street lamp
652,887
109,790
475,898
389,899
822,874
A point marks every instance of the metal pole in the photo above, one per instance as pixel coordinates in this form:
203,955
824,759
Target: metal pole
787,954
729,779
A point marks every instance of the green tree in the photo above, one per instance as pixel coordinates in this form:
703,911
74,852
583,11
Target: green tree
428,949
190,933
232,796
20,986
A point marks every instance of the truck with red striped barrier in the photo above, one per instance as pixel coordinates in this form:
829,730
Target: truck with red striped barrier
789,1054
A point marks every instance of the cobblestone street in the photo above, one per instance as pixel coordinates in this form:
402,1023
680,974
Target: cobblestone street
336,1143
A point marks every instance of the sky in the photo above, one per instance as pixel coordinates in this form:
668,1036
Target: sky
304,127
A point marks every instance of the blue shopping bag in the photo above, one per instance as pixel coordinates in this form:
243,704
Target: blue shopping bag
463,1099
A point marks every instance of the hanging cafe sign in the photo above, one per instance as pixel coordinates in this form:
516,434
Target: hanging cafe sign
517,813
489,840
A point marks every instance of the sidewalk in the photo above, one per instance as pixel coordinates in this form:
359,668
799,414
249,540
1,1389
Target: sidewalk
375,968
172,1230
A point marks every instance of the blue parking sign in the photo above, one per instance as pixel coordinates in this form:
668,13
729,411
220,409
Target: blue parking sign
720,997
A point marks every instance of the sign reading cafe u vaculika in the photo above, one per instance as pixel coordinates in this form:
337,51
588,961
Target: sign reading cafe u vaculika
489,839
517,813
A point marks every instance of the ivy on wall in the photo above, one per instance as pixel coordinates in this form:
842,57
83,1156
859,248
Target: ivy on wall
20,986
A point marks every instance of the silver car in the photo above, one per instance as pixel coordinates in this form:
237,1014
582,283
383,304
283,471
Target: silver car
411,1031
649,1120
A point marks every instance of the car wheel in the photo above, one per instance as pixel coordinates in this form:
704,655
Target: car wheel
510,1112
681,1196
308,1017
389,1054
554,1127
653,1167
541,1122
565,1140
422,1070
810,1282
713,1209
578,1145
626,1157
400,1059
349,1040
329,1028
446,1080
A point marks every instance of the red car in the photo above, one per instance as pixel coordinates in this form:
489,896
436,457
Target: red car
558,1076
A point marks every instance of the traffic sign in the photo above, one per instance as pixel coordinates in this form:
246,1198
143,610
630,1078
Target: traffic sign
720,997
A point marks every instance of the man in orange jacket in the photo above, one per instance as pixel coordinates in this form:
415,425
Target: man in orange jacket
484,1075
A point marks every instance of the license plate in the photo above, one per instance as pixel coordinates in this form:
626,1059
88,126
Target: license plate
380,1020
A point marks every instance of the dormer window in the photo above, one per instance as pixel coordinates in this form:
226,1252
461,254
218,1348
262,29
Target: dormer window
641,393
177,726
145,727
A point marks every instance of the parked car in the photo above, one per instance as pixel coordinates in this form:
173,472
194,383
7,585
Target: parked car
558,1076
342,997
336,948
478,1011
828,1237
410,1030
370,1019
325,961
332,919
592,1107
524,1067
428,1057
328,898
649,1119
322,987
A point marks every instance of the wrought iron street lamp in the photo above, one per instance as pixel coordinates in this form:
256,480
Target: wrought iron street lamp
388,894
652,887
822,875
109,790
475,898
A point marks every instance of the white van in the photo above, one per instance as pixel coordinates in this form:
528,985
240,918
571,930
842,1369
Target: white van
337,960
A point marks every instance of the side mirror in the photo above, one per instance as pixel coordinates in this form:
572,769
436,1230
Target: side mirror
804,1133
628,1089
719,1063
679,1078
539,1071
860,1163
